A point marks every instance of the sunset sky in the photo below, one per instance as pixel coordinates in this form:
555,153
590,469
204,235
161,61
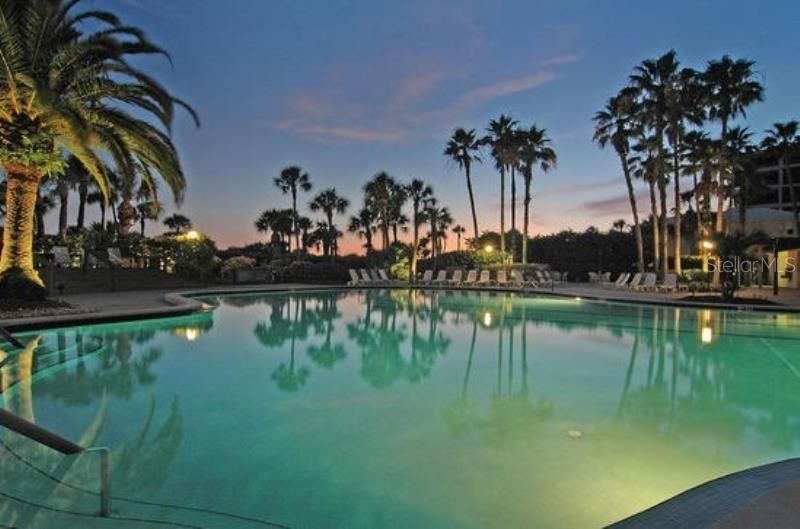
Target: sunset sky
347,88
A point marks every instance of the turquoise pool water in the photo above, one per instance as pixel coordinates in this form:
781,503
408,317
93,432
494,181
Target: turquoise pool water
405,409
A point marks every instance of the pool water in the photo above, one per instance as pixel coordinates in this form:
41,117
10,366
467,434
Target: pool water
406,409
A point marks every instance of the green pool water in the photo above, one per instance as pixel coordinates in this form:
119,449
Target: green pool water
405,409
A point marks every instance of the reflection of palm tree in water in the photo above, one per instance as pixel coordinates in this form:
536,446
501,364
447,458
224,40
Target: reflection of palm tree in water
327,354
288,377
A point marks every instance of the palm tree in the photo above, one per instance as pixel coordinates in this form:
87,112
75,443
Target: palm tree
654,82
535,150
329,202
459,230
462,148
614,125
65,182
363,225
380,197
501,139
178,223
291,180
147,210
730,87
784,140
643,167
698,159
438,219
68,85
418,192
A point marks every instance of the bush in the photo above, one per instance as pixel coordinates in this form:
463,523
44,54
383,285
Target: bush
305,272
14,284
236,263
193,259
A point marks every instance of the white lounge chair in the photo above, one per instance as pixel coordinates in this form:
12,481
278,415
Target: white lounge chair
457,277
519,280
544,279
635,282
502,279
354,279
472,278
365,277
384,276
375,277
593,277
485,278
441,278
648,283
670,284
605,278
115,259
622,278
61,257
426,277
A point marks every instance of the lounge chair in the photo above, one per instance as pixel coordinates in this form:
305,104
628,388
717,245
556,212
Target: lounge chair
593,277
648,283
485,278
519,280
385,276
472,278
635,282
375,277
426,277
365,277
502,279
670,284
115,259
61,257
622,278
605,278
544,279
441,278
354,279
457,277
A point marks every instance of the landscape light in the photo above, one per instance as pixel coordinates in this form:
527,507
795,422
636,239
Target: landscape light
191,334
192,235
488,248
707,245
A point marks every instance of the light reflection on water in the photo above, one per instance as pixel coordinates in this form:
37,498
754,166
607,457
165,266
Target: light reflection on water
410,408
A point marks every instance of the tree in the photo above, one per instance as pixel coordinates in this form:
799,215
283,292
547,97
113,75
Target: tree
462,148
147,210
654,82
501,139
459,230
418,193
178,223
67,84
783,139
292,180
363,226
535,150
439,219
730,87
329,202
380,196
615,126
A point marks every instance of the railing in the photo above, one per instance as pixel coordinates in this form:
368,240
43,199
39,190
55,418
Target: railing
66,447
7,336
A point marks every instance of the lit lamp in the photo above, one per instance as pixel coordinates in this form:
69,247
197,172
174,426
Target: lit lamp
191,334
488,248
706,335
487,319
192,235
706,246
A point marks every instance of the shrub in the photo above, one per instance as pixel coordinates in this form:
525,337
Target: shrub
235,263
305,271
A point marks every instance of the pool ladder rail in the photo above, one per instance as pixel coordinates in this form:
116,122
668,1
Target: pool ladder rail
59,444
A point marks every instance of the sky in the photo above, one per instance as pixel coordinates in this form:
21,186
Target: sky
347,88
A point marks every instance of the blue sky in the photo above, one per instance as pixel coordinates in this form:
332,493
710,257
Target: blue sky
347,88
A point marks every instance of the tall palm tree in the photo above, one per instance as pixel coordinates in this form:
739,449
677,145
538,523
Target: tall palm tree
418,193
330,203
730,87
439,218
380,197
363,225
643,168
654,81
68,85
535,150
501,139
463,148
784,140
739,151
291,181
614,126
698,158
459,230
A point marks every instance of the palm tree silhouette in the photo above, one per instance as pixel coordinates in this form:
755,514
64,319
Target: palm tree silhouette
463,148
784,140
418,193
535,150
501,139
459,230
329,202
292,180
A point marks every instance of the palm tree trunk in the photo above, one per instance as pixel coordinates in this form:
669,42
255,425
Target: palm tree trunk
502,209
458,242
83,191
526,215
792,196
662,196
294,222
471,201
39,214
698,215
676,169
637,227
63,211
22,192
102,214
415,246
720,221
655,223
513,201
141,225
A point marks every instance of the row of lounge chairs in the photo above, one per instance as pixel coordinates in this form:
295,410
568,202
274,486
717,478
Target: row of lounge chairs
63,259
646,282
542,278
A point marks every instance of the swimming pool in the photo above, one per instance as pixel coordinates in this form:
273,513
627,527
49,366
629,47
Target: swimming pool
397,409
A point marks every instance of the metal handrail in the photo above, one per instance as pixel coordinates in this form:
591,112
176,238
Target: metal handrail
54,441
10,338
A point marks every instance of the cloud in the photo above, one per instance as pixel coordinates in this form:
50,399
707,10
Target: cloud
583,186
618,205
508,87
352,133
560,60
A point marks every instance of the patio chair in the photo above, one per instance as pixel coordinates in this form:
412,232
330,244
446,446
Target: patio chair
354,279
472,278
593,277
518,279
544,279
375,277
620,279
605,278
61,257
648,283
365,277
115,259
502,279
637,279
457,277
385,276
426,277
485,278
441,278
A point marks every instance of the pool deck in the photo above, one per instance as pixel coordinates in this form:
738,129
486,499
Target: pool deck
763,496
